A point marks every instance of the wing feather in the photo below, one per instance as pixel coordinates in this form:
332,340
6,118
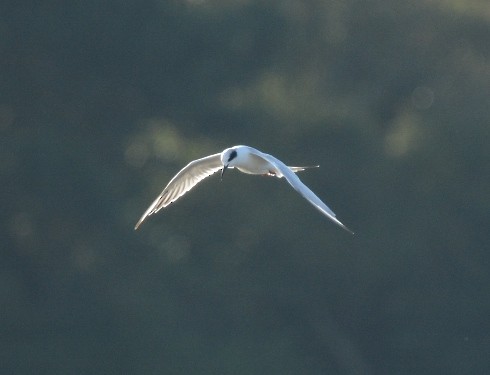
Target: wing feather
185,180
301,188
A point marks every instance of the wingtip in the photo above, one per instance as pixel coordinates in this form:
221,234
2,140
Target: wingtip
140,221
343,226
348,229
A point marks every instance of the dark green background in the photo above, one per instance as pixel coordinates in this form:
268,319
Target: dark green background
102,102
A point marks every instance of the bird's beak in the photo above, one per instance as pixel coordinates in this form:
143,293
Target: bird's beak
223,171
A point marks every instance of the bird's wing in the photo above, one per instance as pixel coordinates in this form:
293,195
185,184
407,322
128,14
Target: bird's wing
182,182
304,190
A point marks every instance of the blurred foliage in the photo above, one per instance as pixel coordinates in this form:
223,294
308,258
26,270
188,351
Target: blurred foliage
101,103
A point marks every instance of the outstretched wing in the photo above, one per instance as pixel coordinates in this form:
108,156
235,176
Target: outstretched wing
183,181
304,190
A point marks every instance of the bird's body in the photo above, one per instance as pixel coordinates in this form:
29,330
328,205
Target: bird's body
247,160
253,162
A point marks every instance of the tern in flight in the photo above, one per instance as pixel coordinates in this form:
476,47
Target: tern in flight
247,160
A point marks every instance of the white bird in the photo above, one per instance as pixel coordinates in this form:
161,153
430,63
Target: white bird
247,160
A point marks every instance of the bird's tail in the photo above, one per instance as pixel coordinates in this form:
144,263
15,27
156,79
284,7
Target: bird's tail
299,169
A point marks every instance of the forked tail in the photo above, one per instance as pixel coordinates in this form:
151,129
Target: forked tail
299,169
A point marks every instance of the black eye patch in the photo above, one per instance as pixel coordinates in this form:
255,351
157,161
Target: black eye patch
232,156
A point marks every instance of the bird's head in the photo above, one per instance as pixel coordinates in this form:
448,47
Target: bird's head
228,159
